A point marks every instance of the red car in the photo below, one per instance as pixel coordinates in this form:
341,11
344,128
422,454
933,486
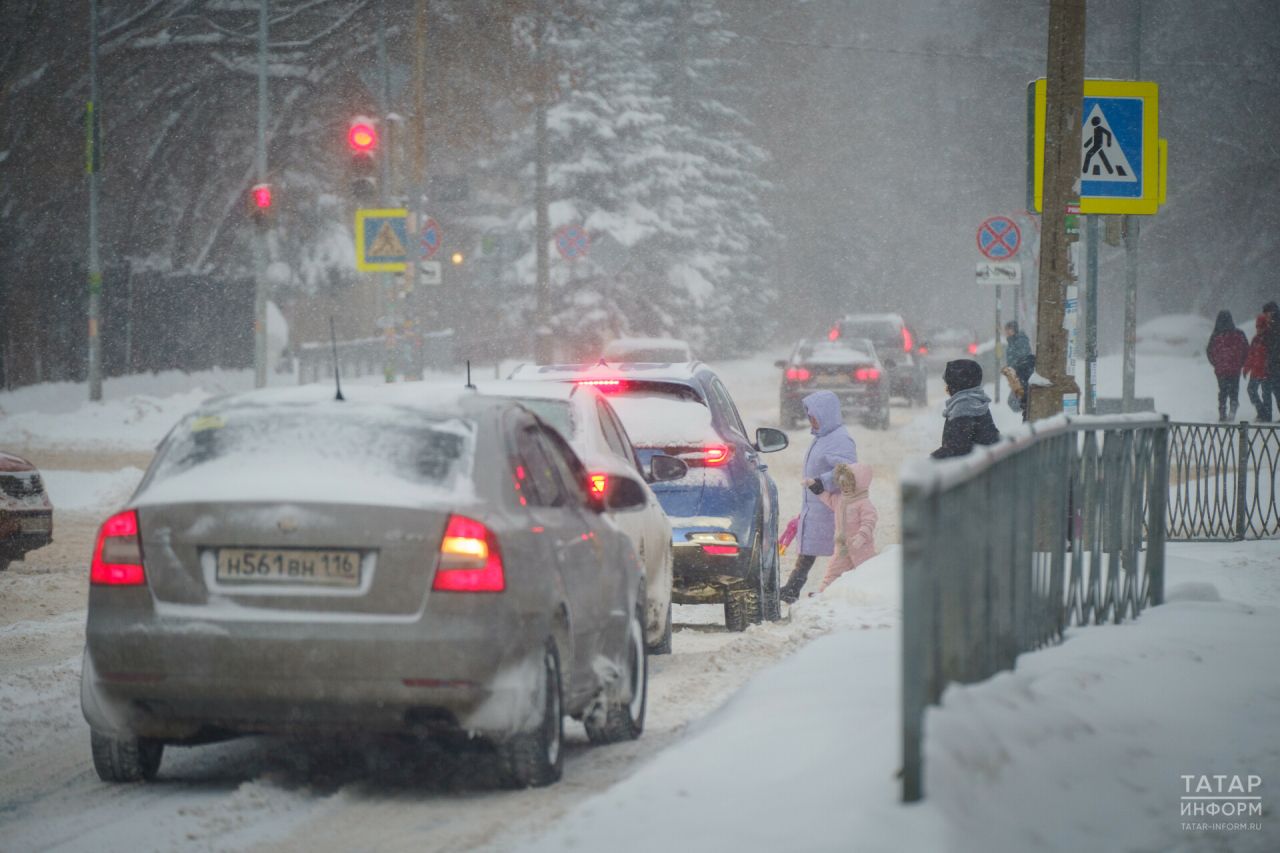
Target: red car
26,516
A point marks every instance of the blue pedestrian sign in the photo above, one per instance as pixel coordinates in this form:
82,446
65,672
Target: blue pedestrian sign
382,238
1120,162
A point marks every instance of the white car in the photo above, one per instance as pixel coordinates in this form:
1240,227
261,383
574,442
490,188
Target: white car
584,417
652,350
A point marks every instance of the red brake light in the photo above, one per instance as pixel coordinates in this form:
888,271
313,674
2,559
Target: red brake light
923,350
866,374
605,385
721,550
907,343
470,560
598,483
711,456
973,349
798,374
834,334
117,556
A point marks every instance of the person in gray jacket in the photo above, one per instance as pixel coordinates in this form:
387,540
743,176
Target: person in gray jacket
968,410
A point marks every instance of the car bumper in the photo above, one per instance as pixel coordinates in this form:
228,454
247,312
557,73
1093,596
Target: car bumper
183,679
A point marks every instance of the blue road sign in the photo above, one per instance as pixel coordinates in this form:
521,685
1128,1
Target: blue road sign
1111,148
382,238
999,238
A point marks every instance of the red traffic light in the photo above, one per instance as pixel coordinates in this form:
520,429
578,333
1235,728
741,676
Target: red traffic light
362,137
262,196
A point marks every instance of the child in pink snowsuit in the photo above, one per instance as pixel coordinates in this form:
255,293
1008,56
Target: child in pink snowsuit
855,520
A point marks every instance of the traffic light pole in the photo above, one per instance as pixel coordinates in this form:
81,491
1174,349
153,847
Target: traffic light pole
93,139
387,315
417,307
543,340
260,229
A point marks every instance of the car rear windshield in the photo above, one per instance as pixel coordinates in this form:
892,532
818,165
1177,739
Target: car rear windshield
657,418
842,352
876,330
380,441
557,413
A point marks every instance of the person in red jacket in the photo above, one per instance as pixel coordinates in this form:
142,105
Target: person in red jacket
1255,367
1227,350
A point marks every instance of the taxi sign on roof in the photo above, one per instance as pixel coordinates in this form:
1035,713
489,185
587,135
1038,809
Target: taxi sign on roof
1120,154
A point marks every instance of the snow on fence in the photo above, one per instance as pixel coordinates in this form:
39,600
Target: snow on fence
1004,548
1223,481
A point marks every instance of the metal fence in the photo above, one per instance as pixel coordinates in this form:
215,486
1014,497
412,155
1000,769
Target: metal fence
1061,524
369,356
1222,481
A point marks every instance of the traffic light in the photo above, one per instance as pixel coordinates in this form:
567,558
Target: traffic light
362,140
260,202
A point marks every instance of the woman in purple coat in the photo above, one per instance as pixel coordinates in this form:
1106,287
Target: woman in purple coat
832,445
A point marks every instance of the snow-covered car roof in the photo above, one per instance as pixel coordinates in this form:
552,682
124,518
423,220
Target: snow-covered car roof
11,463
682,372
841,351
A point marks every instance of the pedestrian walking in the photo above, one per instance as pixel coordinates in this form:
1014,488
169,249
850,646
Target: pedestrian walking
831,446
856,519
1270,388
967,410
1255,368
1227,350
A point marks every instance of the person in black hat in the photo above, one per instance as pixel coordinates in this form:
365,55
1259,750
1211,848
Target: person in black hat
968,410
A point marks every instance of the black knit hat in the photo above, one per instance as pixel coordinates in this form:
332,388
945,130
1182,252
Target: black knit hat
962,373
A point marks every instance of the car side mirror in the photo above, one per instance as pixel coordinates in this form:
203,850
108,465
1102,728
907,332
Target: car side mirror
770,440
663,468
624,493
781,364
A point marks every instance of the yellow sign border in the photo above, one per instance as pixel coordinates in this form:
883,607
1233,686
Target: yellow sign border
1153,176
378,213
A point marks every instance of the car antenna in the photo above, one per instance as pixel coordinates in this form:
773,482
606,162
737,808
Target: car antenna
337,378
469,385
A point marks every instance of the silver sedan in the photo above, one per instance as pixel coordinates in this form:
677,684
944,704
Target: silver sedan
294,563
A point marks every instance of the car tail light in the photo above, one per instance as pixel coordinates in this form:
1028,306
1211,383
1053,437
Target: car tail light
866,374
908,344
470,560
834,334
721,550
117,557
711,456
598,483
798,374
605,385
717,544
923,350
973,349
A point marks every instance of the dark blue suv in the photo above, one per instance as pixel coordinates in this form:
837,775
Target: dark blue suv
724,512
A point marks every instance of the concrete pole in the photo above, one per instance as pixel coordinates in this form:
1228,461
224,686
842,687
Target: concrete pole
93,139
1131,230
1065,98
384,177
260,235
543,341
418,188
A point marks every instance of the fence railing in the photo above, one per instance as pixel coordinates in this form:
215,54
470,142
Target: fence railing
368,356
1222,481
1005,548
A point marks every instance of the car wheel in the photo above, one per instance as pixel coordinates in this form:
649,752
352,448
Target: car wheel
663,646
624,719
125,759
534,759
770,593
739,605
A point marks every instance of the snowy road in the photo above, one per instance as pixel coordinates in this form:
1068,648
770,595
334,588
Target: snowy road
271,793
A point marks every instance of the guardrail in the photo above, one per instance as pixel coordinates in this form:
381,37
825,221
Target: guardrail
368,356
1223,481
1004,548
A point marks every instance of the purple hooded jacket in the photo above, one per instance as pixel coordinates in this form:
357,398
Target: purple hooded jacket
832,444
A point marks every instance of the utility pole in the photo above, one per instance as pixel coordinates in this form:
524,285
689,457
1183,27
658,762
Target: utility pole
93,159
387,315
260,234
1090,315
543,339
418,189
1131,258
1065,100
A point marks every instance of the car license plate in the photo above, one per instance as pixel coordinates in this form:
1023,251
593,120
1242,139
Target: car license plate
309,567
832,380
36,524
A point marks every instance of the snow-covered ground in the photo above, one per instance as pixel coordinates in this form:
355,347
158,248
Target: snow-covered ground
787,734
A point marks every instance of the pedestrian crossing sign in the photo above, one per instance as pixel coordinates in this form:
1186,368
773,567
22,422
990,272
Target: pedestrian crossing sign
1121,164
381,240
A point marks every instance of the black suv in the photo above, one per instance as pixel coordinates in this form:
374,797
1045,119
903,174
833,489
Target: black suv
899,350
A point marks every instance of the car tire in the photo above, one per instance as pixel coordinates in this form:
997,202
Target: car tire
771,593
624,719
663,646
125,759
536,759
739,605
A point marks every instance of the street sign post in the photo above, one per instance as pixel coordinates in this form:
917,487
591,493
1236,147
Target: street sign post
999,238
999,273
381,240
1121,159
